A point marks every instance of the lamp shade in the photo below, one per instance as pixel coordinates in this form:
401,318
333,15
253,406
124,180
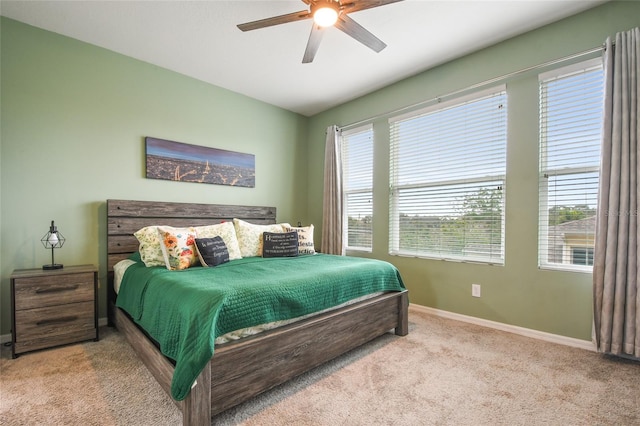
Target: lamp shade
52,240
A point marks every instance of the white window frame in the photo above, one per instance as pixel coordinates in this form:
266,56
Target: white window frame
492,179
544,250
359,190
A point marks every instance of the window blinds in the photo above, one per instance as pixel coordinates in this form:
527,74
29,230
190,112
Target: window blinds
570,135
357,165
447,176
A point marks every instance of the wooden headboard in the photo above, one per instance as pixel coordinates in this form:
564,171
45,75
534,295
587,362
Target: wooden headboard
124,217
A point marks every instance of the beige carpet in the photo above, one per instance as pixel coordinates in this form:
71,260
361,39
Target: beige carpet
443,373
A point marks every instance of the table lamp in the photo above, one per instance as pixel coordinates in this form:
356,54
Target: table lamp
52,240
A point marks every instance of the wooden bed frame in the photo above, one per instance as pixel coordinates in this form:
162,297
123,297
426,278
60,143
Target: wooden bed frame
243,369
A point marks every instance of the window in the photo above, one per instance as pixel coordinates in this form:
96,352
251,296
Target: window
357,174
447,179
582,256
570,133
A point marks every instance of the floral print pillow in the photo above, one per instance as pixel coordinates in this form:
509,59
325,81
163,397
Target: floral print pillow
178,247
150,250
250,236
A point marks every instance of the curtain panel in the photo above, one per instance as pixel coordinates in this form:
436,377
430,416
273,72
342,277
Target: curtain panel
617,259
332,229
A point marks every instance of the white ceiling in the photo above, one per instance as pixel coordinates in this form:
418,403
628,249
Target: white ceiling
200,39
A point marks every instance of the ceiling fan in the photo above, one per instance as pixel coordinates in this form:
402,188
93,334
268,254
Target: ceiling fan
327,13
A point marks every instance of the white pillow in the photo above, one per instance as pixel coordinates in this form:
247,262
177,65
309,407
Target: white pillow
250,236
305,238
227,232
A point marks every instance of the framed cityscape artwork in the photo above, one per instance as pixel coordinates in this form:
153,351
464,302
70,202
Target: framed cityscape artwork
183,162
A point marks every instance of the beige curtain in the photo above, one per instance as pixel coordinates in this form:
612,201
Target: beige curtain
332,242
617,259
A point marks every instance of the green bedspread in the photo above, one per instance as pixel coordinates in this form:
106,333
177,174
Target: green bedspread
184,311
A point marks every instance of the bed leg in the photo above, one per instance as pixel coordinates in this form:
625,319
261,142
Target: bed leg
403,315
196,407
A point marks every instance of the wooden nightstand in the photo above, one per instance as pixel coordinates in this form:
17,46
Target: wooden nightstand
53,307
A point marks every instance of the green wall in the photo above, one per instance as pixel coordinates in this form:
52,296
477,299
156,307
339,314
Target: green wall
74,118
517,293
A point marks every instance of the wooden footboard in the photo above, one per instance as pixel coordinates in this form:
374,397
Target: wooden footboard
196,407
242,370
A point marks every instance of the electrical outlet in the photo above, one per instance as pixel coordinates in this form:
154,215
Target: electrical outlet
475,290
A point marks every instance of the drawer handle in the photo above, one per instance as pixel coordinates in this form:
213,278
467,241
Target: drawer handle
56,289
60,320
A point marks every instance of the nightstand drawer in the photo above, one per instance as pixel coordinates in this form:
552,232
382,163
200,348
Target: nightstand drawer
55,321
44,291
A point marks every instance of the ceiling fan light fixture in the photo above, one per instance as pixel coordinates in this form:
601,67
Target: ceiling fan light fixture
325,14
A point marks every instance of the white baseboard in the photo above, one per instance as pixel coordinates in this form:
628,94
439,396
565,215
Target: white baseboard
540,335
5,338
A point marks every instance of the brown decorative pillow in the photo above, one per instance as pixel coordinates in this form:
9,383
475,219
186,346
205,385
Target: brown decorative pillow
224,230
279,244
212,251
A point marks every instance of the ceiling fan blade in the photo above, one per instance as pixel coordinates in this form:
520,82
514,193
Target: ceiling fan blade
355,6
357,31
276,20
312,45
